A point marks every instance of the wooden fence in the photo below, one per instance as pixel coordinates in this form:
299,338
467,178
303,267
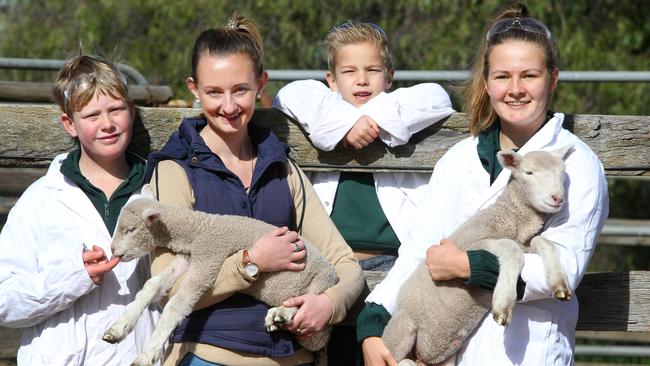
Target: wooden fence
30,136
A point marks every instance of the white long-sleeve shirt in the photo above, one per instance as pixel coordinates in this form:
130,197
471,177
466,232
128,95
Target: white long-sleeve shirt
400,114
45,288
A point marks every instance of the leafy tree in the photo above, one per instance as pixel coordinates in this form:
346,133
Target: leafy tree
156,37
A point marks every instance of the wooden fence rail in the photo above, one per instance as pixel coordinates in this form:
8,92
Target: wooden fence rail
30,136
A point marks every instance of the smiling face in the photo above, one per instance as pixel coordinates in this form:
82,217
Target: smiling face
103,127
519,85
227,88
360,73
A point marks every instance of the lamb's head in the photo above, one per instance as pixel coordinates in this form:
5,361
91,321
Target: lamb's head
138,229
539,176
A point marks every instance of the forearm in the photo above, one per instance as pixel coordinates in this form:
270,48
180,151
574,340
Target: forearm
371,321
405,111
322,113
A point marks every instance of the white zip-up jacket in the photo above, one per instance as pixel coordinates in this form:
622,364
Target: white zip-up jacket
45,289
326,117
542,331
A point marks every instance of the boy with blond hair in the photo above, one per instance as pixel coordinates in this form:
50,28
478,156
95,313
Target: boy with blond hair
372,211
56,281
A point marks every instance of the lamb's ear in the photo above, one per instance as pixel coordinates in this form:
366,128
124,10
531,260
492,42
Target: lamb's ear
147,192
563,152
509,159
150,216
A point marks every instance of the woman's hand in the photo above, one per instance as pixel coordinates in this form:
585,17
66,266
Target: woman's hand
279,250
375,353
445,261
97,264
313,314
364,131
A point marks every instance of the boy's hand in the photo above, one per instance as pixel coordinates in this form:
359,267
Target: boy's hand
97,264
364,131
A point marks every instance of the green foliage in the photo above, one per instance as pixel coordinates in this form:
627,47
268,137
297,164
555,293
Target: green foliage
156,37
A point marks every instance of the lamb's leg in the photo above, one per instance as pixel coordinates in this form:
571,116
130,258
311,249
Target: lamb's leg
180,305
152,290
399,335
511,261
555,276
317,341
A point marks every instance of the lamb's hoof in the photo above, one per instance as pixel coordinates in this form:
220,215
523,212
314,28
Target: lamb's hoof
277,317
502,317
114,334
562,293
142,360
111,337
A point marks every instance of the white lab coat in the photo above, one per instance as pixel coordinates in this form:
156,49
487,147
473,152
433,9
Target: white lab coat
542,331
45,289
326,117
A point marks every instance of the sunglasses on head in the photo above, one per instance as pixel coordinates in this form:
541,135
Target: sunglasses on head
528,25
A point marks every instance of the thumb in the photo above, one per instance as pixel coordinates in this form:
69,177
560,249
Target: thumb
293,302
279,231
446,242
373,125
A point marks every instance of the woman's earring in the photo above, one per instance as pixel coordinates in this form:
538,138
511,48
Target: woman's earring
258,96
197,103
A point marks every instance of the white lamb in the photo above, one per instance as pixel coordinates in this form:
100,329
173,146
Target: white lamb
201,243
434,318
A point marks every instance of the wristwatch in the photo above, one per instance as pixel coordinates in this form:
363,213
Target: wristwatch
250,266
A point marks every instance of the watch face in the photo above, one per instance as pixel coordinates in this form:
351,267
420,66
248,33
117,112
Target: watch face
251,269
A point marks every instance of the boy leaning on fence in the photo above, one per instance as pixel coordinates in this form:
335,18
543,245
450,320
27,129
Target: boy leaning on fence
371,210
56,281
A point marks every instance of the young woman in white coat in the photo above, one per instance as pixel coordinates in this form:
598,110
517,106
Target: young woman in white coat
507,101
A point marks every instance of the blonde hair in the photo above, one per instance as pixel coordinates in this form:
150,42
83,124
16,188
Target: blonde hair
239,35
83,77
477,102
354,31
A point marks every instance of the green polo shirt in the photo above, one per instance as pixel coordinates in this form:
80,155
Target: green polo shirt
108,208
358,215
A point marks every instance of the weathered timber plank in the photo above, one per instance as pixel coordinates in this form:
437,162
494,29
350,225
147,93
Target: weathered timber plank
36,92
615,301
9,342
31,136
609,301
14,181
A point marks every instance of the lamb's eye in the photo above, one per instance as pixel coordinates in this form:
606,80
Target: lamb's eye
529,172
129,230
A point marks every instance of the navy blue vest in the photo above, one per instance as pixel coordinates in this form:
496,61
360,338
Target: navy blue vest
236,323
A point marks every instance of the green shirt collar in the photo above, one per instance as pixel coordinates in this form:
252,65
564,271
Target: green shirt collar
108,208
488,146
